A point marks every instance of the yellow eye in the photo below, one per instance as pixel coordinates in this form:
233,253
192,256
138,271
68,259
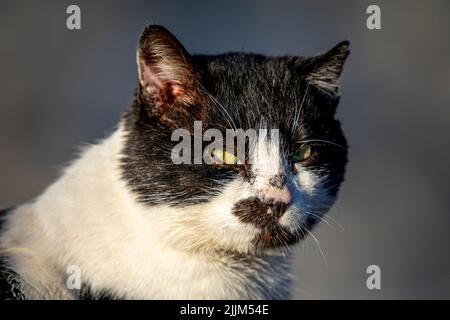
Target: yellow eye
225,157
302,153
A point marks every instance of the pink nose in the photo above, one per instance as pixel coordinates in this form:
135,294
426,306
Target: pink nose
273,195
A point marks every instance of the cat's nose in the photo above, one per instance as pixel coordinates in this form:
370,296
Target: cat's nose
276,191
272,196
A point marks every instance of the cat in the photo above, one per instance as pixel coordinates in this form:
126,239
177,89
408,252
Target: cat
138,226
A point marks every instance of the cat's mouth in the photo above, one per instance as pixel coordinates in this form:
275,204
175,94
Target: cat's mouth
267,218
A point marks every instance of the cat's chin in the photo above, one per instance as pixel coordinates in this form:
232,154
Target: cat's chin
277,238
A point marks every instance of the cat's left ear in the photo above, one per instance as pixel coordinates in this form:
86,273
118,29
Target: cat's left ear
325,70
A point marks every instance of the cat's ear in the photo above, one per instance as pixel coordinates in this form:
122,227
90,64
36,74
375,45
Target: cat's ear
168,81
325,70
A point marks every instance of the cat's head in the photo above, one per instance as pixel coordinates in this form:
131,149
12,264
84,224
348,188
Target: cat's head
285,182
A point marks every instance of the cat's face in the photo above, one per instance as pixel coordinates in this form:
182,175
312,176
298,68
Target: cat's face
284,184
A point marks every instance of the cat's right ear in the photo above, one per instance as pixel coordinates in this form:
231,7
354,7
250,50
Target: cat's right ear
168,81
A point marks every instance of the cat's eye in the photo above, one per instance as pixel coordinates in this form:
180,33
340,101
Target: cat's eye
224,156
302,153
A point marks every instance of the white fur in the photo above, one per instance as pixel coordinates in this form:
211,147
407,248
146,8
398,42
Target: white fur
267,162
90,219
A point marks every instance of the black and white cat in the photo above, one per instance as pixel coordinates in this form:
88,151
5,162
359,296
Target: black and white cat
139,226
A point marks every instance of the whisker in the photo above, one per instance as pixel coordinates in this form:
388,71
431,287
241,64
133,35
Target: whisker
324,141
321,218
299,110
318,245
224,111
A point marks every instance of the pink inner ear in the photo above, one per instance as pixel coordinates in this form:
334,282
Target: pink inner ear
155,83
177,91
148,77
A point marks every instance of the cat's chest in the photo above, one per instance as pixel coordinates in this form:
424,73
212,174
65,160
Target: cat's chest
179,275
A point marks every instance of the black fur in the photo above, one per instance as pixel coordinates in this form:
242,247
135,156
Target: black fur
86,293
253,89
9,280
245,91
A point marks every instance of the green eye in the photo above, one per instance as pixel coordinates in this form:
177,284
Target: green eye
302,153
225,157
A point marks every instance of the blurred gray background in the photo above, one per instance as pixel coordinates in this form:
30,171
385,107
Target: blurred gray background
60,88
